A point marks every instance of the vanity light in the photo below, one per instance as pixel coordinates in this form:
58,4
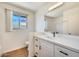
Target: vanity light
55,6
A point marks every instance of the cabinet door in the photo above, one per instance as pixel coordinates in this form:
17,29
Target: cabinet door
46,49
63,52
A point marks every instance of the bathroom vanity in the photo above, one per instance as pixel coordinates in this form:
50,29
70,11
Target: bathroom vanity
59,46
64,21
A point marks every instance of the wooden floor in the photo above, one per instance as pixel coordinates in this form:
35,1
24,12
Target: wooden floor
23,52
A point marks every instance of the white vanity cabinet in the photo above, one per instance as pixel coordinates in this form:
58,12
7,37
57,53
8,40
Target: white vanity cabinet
55,47
43,48
63,52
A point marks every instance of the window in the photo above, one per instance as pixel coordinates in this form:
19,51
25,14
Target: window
23,22
19,21
15,20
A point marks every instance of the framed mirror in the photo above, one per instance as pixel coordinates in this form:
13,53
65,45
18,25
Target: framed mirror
54,20
63,19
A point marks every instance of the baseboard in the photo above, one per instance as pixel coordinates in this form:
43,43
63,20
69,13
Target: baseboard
14,49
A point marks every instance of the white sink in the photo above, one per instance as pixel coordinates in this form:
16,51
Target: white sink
48,35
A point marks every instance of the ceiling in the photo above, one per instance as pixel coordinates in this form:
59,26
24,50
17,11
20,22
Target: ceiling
34,6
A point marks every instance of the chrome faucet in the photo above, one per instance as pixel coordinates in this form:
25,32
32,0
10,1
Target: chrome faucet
53,34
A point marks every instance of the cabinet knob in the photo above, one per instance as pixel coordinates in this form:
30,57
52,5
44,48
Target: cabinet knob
36,39
36,45
36,54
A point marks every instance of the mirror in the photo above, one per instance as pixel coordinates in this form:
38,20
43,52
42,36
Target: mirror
54,20
63,19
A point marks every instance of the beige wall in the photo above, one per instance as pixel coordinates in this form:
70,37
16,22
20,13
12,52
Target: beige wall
51,25
55,24
14,39
1,31
71,18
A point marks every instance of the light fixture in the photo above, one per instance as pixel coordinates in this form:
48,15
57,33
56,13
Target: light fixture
55,6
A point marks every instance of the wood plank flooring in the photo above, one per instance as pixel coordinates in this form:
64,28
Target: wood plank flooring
23,52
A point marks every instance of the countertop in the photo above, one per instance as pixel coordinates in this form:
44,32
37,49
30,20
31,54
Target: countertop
66,41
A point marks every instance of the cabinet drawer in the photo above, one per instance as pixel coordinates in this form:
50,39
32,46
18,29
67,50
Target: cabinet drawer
63,52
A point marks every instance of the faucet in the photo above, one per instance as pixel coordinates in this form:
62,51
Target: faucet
53,34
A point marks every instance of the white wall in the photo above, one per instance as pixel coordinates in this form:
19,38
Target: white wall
16,39
40,25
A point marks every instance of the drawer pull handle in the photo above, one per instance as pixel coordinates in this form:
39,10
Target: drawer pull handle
63,53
